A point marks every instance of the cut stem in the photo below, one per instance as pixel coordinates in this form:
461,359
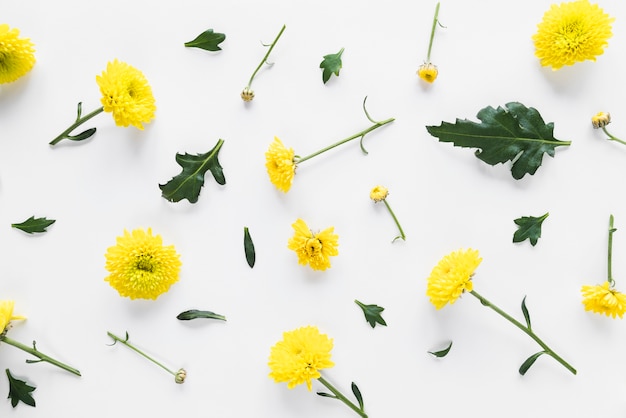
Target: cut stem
264,60
132,347
612,229
41,356
342,398
611,137
79,121
432,32
393,215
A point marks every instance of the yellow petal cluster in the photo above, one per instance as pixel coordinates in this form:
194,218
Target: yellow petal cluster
17,55
313,249
379,193
428,72
603,299
140,266
280,164
600,120
452,276
571,32
299,356
127,94
6,314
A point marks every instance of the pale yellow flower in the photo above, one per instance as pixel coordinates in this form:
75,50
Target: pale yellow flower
17,55
313,249
428,72
604,299
280,165
379,193
600,120
452,276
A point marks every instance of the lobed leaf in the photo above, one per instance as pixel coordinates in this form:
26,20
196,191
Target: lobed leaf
331,64
372,313
529,227
19,391
34,225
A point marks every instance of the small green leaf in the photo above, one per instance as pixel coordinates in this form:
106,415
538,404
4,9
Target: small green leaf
372,313
442,353
207,40
83,135
248,247
331,64
19,391
188,183
529,362
357,395
326,395
194,313
529,227
34,225
526,313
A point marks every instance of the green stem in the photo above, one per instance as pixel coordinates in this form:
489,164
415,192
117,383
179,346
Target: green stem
432,32
611,137
79,121
393,215
526,330
264,60
41,356
132,347
612,229
342,398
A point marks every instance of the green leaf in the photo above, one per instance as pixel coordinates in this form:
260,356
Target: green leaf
526,313
529,362
188,183
442,353
529,227
19,391
207,40
194,314
331,64
326,395
248,246
516,133
357,395
372,313
34,225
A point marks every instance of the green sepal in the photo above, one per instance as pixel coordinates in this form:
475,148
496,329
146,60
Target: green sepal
529,362
331,64
357,395
248,247
34,225
442,353
526,313
189,182
194,314
207,40
19,391
529,227
372,313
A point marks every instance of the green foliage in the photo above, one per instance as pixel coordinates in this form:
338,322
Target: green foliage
529,227
357,395
442,353
516,133
207,40
19,391
34,225
194,314
529,362
248,247
331,64
188,183
372,313
526,314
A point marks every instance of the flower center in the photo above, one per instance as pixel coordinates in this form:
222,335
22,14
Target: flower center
145,262
313,247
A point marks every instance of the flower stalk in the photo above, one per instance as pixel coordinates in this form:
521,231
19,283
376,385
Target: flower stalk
338,395
41,356
395,219
432,31
612,229
247,94
79,121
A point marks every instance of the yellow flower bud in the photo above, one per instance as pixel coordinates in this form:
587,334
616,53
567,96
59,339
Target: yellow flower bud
181,375
247,94
428,72
379,193
600,120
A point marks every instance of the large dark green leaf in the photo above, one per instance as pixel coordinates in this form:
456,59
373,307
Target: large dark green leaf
19,390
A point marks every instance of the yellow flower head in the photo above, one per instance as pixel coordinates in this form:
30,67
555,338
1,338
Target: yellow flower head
603,299
313,249
16,54
379,193
6,314
452,276
571,32
141,266
247,94
600,120
428,72
127,94
280,165
299,356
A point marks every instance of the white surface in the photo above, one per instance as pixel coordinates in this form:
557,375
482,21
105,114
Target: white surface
445,198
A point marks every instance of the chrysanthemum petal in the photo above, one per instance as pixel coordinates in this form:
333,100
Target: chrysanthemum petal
603,299
280,165
17,55
452,276
313,249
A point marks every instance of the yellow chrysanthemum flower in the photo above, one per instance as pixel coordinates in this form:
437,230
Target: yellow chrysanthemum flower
428,72
379,193
127,94
6,314
604,299
452,276
600,120
313,249
280,165
572,32
17,55
300,356
141,266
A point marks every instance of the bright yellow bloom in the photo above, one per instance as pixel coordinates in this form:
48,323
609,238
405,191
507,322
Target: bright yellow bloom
141,266
600,120
299,356
6,314
17,55
379,193
313,249
572,32
603,299
280,165
428,72
452,276
127,94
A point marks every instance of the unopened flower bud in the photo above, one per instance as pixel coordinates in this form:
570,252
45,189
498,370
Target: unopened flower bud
181,375
600,120
379,193
428,72
247,94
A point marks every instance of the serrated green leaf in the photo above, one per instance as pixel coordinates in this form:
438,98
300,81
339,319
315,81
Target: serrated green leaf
194,314
331,64
526,313
529,362
34,225
442,353
207,40
248,247
19,390
372,313
515,133
188,183
529,227
357,395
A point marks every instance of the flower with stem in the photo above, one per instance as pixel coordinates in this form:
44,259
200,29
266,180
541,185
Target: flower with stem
452,277
17,55
379,194
281,162
604,299
125,93
428,71
600,120
179,376
314,249
247,93
299,357
6,316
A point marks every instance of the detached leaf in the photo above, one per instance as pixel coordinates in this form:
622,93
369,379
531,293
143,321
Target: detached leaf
331,64
194,314
529,362
207,40
19,391
442,353
248,247
516,133
188,183
529,228
357,395
372,313
34,225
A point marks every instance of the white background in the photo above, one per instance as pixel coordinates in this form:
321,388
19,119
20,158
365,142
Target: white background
444,196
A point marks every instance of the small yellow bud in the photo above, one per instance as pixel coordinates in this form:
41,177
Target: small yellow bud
600,120
247,94
379,193
428,72
181,375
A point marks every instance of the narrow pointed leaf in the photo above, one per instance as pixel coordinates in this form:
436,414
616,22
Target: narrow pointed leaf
529,362
207,40
526,313
326,395
357,395
194,314
34,225
19,391
83,135
189,182
248,247
331,64
372,313
529,227
442,353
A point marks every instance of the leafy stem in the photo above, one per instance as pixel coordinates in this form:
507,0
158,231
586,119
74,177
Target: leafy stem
612,229
341,397
264,60
79,121
432,31
41,356
526,330
393,215
611,137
